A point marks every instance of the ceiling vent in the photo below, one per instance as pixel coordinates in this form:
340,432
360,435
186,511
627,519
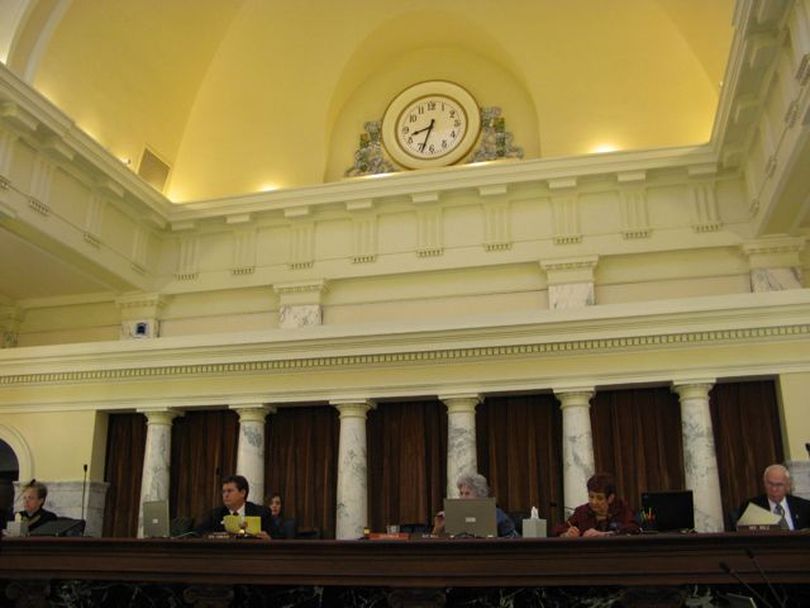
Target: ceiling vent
153,170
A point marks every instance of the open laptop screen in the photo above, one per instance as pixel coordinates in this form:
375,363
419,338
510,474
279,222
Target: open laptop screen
470,516
156,519
671,511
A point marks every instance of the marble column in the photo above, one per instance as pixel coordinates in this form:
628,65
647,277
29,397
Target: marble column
352,482
156,458
775,262
570,282
578,460
250,449
461,445
699,456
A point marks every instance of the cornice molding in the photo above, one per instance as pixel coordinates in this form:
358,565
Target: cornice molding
568,347
316,286
427,186
774,245
63,134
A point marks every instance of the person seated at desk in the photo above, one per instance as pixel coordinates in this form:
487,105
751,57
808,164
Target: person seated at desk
795,511
603,515
235,490
33,498
279,526
474,485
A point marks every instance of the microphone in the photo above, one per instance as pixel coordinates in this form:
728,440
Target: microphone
189,534
84,488
781,600
728,570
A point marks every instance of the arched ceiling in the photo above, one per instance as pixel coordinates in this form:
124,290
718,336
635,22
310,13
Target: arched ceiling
249,94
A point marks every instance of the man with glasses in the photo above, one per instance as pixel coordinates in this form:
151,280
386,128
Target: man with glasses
794,511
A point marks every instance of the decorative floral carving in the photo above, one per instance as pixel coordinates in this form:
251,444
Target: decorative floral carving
369,158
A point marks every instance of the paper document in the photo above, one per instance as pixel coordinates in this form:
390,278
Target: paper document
757,516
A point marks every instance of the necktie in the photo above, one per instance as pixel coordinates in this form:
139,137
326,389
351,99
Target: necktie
780,511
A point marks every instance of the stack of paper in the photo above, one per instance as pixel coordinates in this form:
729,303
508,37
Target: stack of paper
757,517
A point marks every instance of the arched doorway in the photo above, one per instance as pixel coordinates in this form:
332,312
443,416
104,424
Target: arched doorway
9,473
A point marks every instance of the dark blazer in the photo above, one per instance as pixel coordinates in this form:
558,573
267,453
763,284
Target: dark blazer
283,528
37,519
799,509
213,521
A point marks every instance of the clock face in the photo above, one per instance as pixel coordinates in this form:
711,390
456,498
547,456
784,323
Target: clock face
431,124
431,127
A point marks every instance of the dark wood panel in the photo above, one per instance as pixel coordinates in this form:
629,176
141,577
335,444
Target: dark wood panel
629,560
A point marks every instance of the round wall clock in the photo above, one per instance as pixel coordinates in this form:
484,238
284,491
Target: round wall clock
431,124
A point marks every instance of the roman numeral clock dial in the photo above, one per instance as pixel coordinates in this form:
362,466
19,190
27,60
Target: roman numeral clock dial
431,124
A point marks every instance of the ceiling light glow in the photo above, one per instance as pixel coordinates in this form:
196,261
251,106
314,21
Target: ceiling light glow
603,148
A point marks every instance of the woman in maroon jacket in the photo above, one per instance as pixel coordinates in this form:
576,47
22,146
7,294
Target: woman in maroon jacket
602,515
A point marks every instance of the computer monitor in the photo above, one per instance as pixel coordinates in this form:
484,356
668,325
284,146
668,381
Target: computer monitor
470,517
61,526
670,511
156,519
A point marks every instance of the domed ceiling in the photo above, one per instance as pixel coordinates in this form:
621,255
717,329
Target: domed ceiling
247,95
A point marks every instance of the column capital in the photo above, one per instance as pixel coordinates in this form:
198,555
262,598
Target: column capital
160,415
353,408
461,402
252,412
574,397
693,389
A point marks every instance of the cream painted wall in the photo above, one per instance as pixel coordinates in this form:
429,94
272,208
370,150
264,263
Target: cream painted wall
62,442
793,392
156,52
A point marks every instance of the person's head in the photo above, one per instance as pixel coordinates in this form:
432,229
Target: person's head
234,492
472,485
601,493
274,504
777,482
33,496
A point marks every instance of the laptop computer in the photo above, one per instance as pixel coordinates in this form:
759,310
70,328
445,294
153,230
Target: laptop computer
669,511
156,519
470,517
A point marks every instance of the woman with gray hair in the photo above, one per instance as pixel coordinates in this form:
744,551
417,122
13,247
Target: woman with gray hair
474,485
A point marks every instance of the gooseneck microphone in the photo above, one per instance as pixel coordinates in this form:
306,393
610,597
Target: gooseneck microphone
729,570
84,488
781,600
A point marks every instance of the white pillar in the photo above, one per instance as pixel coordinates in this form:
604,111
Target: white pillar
699,456
156,458
352,482
250,449
578,460
461,444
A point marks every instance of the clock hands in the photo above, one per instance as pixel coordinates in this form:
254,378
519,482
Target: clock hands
429,128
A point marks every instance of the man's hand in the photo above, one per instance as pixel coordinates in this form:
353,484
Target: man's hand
263,535
594,532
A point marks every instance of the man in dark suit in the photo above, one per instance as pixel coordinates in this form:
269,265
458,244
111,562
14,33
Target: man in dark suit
234,502
777,499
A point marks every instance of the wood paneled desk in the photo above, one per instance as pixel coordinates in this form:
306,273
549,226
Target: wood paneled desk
660,560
